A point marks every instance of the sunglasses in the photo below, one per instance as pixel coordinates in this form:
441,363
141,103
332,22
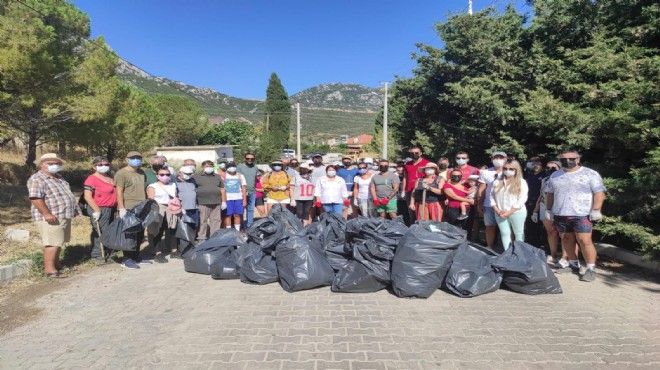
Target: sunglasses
551,168
249,159
415,152
569,159
163,175
461,157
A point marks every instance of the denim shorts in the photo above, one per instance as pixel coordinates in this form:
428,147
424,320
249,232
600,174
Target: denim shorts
489,217
573,224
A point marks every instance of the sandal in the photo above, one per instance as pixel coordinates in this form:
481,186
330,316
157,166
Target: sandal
64,268
55,275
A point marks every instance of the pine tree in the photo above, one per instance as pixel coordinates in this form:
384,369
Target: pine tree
278,114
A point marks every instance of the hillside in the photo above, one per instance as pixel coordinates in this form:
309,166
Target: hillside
327,111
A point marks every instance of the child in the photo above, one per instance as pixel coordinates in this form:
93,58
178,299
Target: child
235,188
471,189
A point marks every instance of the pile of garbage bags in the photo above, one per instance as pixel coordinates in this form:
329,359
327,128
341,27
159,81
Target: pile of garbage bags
121,234
366,255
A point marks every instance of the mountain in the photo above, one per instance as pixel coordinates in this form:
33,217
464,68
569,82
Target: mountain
327,111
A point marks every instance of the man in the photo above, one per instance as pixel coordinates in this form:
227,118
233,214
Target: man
286,164
318,169
221,168
249,171
191,164
53,207
294,165
574,199
156,163
534,232
462,159
348,173
412,174
211,199
486,179
443,165
383,188
130,184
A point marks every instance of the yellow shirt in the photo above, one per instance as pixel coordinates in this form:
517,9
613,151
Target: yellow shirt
272,184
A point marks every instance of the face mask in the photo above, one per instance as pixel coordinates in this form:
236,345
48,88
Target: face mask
498,163
392,169
443,166
102,169
362,171
231,169
332,173
135,162
529,165
461,162
551,170
347,164
277,168
293,165
455,178
54,168
186,177
318,163
416,155
306,177
383,168
509,173
222,165
208,170
164,178
191,168
567,164
429,172
374,167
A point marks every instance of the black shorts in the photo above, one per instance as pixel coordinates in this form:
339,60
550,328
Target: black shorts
303,207
573,224
259,201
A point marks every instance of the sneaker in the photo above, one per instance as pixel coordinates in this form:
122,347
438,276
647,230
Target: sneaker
161,259
568,270
462,217
175,255
145,262
560,264
589,275
550,260
130,264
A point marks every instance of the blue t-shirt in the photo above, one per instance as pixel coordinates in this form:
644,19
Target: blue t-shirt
348,176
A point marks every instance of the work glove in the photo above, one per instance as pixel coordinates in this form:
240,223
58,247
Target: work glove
317,204
595,215
223,206
283,188
356,202
347,203
549,215
377,202
403,194
535,217
96,216
122,212
426,186
293,203
384,201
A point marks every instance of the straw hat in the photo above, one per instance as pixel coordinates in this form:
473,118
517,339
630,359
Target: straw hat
49,157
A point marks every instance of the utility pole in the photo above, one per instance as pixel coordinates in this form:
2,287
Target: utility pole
267,119
384,154
470,7
298,131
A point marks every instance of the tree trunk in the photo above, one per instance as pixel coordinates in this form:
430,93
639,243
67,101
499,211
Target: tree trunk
31,148
62,149
110,154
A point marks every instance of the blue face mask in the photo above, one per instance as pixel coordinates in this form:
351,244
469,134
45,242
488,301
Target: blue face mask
277,168
362,171
135,162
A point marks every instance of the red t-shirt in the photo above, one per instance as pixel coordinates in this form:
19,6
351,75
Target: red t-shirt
467,171
459,191
104,194
413,173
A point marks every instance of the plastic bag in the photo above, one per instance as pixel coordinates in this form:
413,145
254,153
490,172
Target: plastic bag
140,216
201,260
471,274
260,271
423,258
225,269
114,237
223,238
287,222
330,232
526,271
302,265
265,233
185,228
355,278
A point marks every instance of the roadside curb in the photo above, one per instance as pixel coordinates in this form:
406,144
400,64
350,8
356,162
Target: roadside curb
10,272
627,256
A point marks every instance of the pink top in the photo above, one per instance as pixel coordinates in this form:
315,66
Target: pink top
257,185
459,191
103,192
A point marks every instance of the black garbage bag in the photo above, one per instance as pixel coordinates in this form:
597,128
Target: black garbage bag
140,216
266,233
114,237
471,273
330,231
423,258
355,278
377,259
185,228
219,247
526,271
288,223
256,266
226,268
223,238
302,265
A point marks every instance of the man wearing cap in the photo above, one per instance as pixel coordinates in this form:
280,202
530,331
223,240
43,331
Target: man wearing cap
249,170
318,170
486,179
412,174
348,173
534,232
130,183
53,207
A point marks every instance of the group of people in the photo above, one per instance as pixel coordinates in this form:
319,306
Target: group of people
565,196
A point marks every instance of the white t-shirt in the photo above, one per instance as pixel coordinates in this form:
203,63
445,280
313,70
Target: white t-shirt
317,173
233,186
331,191
303,189
363,186
488,177
574,191
505,200
163,192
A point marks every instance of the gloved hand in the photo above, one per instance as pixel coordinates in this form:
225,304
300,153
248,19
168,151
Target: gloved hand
549,215
384,201
403,194
223,206
122,212
426,185
347,203
293,203
283,188
377,202
535,217
595,215
317,204
356,202
96,216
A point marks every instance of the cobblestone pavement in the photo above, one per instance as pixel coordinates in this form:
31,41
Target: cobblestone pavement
161,317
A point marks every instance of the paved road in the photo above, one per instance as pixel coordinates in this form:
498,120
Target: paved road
162,317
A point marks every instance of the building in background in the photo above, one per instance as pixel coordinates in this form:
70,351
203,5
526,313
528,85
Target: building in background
176,154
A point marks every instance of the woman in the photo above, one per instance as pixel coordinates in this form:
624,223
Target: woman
456,193
302,191
276,185
508,200
259,194
162,192
101,199
330,192
361,198
539,213
432,184
186,187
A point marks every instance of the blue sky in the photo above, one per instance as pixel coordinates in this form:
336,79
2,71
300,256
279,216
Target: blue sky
233,46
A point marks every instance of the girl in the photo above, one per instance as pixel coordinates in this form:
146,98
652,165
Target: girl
508,200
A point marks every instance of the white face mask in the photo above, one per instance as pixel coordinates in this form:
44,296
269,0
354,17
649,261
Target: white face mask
461,162
222,165
498,163
54,168
186,177
102,169
191,168
332,173
430,172
391,170
208,170
231,169
530,165
509,173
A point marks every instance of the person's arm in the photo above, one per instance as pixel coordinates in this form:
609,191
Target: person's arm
244,192
151,192
372,190
355,189
438,190
40,205
395,190
89,198
120,197
520,199
404,184
480,196
450,193
599,198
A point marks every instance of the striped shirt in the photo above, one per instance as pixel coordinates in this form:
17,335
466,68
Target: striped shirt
55,191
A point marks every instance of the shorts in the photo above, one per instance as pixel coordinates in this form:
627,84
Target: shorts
489,217
259,201
54,235
303,207
387,208
235,207
283,201
572,224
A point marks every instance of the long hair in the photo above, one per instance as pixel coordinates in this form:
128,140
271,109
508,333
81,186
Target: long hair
516,180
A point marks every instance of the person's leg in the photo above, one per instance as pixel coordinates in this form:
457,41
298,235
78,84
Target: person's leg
491,224
237,222
517,221
307,207
299,210
215,219
269,206
409,212
50,259
464,208
505,231
204,219
552,237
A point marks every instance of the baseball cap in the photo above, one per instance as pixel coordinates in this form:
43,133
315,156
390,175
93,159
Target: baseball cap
133,154
500,154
